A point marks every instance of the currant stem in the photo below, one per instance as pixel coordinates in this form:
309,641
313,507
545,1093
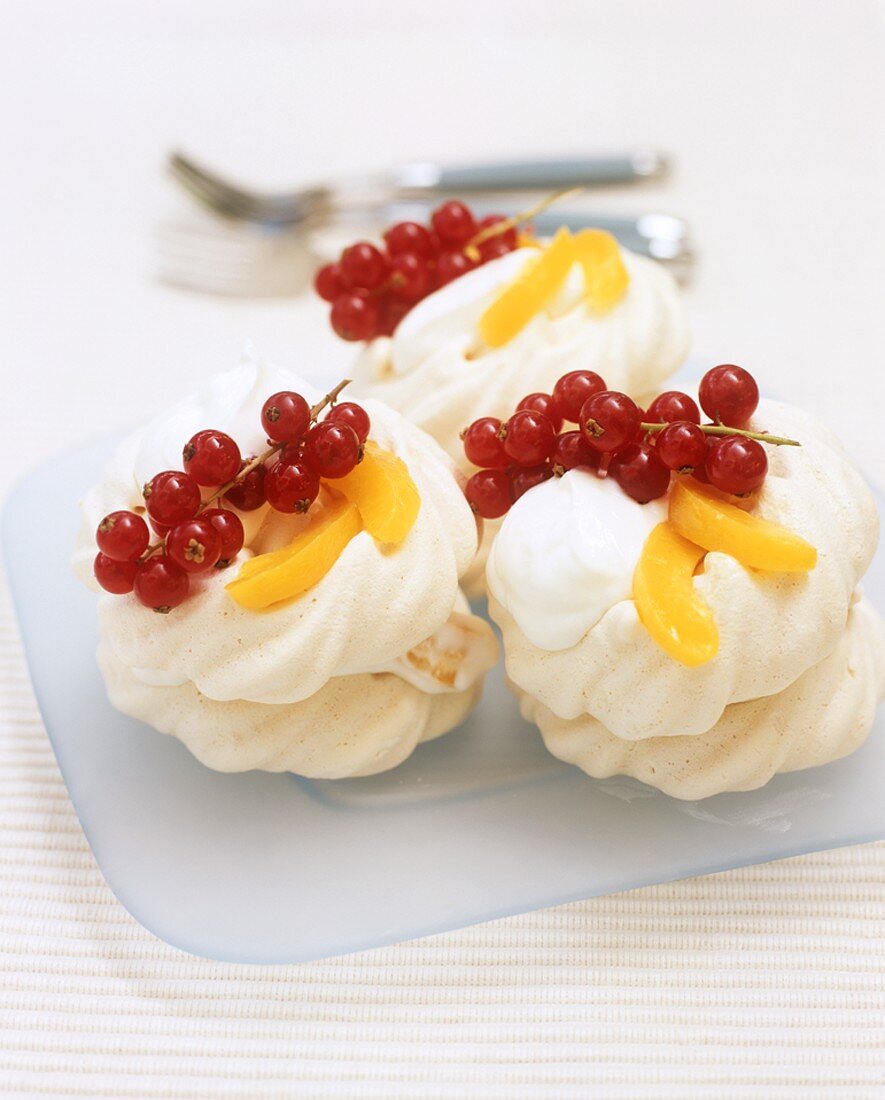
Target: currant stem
723,429
330,398
471,249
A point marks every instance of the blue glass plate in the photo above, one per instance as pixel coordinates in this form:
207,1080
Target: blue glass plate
483,823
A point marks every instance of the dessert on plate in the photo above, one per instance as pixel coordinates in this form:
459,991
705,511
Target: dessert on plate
463,318
679,601
281,579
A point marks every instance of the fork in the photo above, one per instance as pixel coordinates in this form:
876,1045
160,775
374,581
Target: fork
309,203
265,245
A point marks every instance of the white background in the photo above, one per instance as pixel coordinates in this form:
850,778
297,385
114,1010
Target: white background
765,982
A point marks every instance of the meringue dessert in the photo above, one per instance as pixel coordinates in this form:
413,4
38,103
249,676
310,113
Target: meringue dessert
692,618
296,603
501,315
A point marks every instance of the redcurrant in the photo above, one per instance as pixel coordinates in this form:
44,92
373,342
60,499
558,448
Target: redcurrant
171,497
681,446
493,249
543,403
483,445
609,420
451,266
331,449
673,405
453,222
736,465
639,472
161,584
229,528
248,493
523,478
354,317
528,438
328,282
410,237
194,545
114,576
409,277
489,493
364,266
285,417
291,486
123,536
211,458
729,395
354,416
390,313
573,389
508,237
572,450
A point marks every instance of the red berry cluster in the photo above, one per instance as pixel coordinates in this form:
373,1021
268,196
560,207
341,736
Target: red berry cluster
196,535
614,436
371,289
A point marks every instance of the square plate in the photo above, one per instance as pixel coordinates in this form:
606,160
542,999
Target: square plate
482,823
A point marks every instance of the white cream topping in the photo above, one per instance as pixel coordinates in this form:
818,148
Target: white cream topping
364,616
566,553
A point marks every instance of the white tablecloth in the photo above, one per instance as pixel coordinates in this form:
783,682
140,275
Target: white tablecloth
765,982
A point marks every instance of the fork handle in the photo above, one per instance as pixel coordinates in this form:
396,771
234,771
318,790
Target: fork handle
529,175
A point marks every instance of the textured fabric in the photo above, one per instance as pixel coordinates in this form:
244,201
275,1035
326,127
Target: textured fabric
761,982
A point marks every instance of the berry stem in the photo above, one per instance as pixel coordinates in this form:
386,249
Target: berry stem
723,429
471,249
329,399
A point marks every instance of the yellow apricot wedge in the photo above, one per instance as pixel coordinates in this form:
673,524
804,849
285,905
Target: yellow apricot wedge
527,295
716,524
605,277
666,602
284,574
383,491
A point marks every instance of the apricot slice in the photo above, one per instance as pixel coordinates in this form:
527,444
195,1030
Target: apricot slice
533,288
605,276
284,574
716,524
383,491
666,601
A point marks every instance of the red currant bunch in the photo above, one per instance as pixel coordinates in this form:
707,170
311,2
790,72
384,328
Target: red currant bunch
640,450
186,507
529,447
721,453
371,288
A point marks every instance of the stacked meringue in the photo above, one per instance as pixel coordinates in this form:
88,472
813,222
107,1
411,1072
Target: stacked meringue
381,654
801,664
436,371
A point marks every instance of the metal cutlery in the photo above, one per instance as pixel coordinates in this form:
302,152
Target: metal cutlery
419,178
264,245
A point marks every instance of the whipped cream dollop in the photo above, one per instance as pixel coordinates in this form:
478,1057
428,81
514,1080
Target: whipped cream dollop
438,373
364,617
566,553
772,627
